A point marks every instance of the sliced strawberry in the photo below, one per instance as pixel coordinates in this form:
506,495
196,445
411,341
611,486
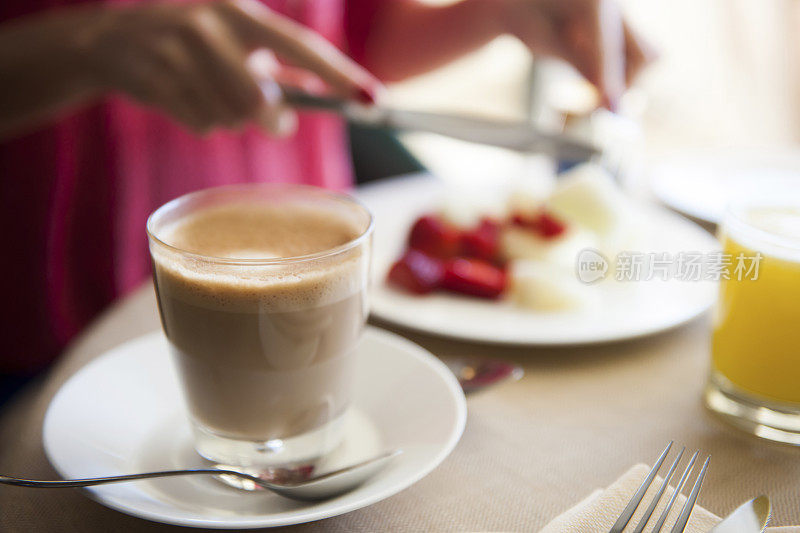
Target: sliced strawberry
482,242
474,277
434,236
549,226
521,220
544,224
416,272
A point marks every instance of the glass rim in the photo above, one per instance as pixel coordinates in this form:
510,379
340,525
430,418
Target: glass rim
261,261
735,219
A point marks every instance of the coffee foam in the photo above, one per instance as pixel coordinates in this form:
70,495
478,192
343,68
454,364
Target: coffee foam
256,231
261,233
239,288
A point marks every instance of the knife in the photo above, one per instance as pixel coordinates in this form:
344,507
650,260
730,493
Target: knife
519,136
750,517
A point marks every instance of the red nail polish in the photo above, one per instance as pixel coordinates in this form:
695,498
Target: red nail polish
365,96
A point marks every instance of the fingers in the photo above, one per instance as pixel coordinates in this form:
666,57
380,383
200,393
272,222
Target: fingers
593,36
149,82
274,115
194,80
259,27
187,60
209,67
638,54
596,46
300,78
612,52
222,60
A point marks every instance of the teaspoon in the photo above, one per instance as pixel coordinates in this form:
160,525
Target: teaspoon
316,488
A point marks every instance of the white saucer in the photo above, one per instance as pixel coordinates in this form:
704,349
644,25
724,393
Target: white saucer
625,310
701,184
123,413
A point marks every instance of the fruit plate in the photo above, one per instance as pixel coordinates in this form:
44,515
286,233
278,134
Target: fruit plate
624,310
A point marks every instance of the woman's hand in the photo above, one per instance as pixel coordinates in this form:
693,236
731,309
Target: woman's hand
195,61
191,61
589,34
409,37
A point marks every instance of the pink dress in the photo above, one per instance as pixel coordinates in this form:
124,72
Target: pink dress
76,194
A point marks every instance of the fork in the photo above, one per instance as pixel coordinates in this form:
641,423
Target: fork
638,496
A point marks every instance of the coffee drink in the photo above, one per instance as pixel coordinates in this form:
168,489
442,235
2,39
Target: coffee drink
263,300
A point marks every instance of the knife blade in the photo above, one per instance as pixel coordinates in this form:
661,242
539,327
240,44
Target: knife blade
750,517
519,136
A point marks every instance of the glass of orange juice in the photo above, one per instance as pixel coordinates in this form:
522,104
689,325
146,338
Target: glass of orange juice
754,381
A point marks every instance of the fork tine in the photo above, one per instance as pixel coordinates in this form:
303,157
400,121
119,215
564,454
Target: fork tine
627,513
678,489
657,498
688,507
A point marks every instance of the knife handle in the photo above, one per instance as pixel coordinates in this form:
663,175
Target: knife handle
302,99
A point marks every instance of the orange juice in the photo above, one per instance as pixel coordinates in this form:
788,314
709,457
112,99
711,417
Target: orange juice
756,339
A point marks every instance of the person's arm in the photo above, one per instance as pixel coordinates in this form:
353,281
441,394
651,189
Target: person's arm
409,37
191,60
43,72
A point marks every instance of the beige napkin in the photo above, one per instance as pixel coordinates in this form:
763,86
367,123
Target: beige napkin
599,511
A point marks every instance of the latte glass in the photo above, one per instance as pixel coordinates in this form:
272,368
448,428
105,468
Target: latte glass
755,354
265,347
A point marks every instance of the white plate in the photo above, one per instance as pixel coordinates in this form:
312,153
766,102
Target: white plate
701,184
626,310
123,413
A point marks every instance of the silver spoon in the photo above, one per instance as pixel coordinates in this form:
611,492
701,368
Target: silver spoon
476,373
312,489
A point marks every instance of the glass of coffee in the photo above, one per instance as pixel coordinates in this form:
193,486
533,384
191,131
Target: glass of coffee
262,293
